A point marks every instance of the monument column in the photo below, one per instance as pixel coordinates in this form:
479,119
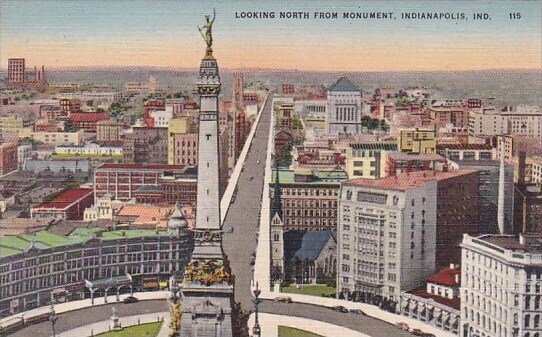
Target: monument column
207,289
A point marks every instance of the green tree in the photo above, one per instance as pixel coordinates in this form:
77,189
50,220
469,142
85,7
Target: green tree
69,126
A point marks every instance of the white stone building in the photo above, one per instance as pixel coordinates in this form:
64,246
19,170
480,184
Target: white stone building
523,120
386,236
501,282
101,210
344,108
162,117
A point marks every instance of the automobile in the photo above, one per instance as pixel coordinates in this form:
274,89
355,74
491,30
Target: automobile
339,308
426,334
357,312
283,299
258,161
403,326
417,332
130,299
250,178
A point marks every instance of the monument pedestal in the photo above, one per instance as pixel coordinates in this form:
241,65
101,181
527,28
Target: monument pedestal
207,310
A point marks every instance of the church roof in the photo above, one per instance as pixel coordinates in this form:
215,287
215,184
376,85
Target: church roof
343,84
312,244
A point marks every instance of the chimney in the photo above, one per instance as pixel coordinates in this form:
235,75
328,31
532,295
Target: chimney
457,278
521,167
500,203
43,73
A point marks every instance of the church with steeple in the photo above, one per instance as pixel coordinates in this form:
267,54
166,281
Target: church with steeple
277,231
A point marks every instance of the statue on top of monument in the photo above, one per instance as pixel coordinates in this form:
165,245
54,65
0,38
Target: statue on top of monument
206,32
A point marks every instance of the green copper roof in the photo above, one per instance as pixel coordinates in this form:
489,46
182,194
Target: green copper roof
11,245
314,178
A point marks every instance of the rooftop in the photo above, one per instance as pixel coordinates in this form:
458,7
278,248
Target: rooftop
66,198
512,243
465,146
315,177
89,116
139,167
406,181
312,244
378,145
446,277
343,84
399,155
422,292
11,245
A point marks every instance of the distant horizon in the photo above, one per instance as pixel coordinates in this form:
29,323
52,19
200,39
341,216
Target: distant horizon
163,33
170,68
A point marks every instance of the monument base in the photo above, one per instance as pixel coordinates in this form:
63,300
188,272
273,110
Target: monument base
207,310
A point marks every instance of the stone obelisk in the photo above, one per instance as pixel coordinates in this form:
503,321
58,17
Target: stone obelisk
207,289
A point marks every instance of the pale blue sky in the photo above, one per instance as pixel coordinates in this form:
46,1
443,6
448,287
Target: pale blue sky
163,33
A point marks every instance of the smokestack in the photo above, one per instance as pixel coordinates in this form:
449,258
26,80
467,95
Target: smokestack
521,167
500,204
43,73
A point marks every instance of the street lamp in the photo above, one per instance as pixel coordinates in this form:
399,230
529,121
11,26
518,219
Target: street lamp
53,318
256,330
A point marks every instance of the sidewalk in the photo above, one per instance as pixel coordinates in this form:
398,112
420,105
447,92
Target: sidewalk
100,327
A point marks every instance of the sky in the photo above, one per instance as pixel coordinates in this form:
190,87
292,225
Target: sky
90,33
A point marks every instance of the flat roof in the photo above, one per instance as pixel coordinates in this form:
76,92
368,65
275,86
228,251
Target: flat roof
406,181
139,167
321,177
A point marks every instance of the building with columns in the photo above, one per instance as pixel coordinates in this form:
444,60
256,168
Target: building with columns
344,108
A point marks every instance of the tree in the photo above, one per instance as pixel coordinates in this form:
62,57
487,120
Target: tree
69,126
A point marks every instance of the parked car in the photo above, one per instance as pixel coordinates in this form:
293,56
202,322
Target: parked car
339,308
417,332
425,334
403,326
130,299
283,299
357,312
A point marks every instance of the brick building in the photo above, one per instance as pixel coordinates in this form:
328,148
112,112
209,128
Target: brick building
16,71
8,157
109,131
69,205
146,145
309,199
182,142
70,105
87,121
121,181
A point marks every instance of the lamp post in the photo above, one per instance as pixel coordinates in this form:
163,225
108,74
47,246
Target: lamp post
256,330
53,318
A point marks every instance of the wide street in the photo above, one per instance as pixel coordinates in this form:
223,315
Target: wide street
77,318
244,212
364,324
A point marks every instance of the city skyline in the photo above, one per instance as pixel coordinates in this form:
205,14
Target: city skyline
94,34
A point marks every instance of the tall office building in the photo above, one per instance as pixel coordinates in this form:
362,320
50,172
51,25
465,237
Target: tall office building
16,71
